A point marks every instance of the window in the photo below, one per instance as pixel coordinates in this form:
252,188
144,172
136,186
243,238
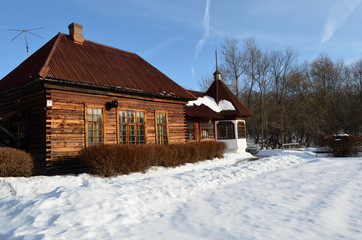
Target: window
207,130
131,127
190,131
95,126
241,130
225,130
18,130
161,128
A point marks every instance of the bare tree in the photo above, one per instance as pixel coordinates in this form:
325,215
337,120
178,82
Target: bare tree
299,113
252,58
350,100
357,82
304,102
325,79
205,82
233,66
356,70
263,82
282,64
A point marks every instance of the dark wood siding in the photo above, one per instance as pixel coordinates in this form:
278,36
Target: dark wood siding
30,102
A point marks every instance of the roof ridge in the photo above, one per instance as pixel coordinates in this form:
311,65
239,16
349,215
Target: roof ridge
107,46
43,72
93,63
239,106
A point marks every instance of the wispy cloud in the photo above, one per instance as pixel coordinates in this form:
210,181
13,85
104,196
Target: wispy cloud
193,71
202,41
161,46
338,14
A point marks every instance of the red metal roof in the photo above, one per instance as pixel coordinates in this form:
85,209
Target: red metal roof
93,63
202,111
29,69
197,94
219,91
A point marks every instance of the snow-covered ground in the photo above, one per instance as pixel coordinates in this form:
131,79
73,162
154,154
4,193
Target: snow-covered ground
285,195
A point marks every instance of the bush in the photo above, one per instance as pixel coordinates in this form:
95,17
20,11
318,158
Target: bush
109,160
15,163
342,145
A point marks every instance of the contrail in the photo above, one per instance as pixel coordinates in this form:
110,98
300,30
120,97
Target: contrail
161,46
193,71
202,41
338,13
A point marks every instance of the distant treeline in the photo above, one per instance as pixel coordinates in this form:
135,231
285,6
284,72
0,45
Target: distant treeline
292,102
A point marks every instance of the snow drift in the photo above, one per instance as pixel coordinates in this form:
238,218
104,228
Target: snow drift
286,195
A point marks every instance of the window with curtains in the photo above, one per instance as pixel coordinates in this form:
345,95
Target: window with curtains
207,130
161,128
225,130
131,127
95,126
190,131
241,130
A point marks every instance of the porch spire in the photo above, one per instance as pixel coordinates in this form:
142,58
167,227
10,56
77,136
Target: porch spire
217,78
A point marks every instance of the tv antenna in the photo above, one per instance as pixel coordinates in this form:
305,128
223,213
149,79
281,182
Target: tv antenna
25,31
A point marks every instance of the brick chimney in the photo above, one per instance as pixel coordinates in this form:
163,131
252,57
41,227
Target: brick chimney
75,32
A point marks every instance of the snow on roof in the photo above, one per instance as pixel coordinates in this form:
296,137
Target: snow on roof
211,103
342,135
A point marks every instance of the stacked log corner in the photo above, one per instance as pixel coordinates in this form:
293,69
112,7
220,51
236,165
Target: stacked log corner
29,101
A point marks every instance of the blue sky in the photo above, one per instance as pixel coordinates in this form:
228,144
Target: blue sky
179,37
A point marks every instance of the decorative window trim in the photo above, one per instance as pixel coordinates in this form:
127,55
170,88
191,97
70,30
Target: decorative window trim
241,129
225,130
86,133
164,141
128,110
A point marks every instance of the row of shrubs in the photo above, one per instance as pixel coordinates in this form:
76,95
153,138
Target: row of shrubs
342,145
109,160
15,163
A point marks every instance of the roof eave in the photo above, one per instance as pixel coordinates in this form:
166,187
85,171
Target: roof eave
115,89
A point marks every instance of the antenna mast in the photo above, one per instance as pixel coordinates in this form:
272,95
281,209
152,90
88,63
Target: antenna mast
25,31
216,60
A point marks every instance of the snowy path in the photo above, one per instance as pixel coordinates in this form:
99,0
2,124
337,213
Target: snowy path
288,196
313,201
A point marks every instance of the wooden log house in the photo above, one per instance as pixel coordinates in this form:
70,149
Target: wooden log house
73,93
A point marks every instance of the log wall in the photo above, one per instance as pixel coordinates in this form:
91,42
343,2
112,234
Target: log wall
30,102
66,125
55,134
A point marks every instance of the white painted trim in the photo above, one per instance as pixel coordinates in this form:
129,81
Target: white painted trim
233,145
